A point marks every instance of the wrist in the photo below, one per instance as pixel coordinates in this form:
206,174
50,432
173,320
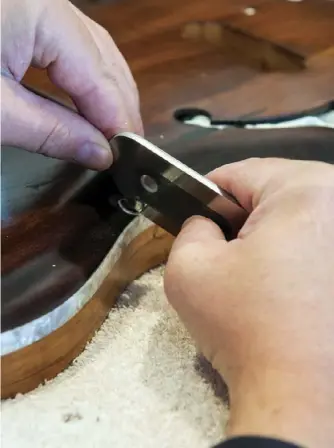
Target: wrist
289,407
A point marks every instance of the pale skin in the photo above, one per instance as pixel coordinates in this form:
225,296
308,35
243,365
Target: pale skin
81,58
261,308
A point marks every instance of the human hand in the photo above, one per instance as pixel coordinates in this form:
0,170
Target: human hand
261,307
80,58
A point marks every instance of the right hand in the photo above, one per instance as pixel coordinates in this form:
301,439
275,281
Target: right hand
261,307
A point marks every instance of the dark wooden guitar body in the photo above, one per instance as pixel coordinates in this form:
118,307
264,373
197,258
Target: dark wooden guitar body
64,238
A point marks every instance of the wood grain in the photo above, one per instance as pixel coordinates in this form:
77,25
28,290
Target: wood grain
233,65
25,369
59,221
57,225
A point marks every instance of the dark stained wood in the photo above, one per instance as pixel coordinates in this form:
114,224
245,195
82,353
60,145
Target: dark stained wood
211,55
57,226
59,220
50,250
25,369
212,148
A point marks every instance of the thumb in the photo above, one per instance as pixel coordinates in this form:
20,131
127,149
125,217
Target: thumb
196,232
190,258
200,230
40,125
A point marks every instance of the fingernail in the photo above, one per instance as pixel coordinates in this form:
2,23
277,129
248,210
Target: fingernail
95,156
189,220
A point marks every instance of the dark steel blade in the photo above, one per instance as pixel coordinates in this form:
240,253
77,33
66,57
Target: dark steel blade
171,191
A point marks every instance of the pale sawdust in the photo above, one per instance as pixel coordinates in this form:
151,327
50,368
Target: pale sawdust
139,383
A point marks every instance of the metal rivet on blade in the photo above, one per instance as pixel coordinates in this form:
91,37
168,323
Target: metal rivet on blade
148,183
131,206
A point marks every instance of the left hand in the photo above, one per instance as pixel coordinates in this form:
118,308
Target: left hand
80,58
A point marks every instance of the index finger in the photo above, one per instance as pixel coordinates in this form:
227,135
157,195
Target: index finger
91,73
251,179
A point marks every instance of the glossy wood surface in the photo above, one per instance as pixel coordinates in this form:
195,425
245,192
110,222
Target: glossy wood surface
59,220
25,369
57,225
209,54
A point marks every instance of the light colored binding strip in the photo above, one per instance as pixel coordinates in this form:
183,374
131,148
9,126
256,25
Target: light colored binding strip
324,121
41,327
37,329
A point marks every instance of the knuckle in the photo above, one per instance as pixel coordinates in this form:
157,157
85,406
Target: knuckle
170,274
103,32
326,172
312,187
173,277
100,32
319,176
56,134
